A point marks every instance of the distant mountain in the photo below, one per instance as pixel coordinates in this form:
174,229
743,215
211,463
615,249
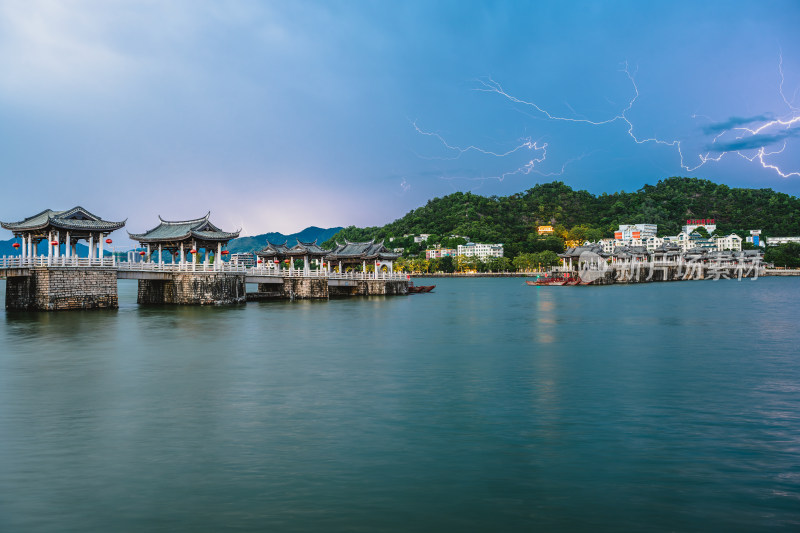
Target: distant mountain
257,242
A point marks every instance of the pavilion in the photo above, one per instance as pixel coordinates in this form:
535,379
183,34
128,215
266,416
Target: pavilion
355,253
186,236
309,251
62,228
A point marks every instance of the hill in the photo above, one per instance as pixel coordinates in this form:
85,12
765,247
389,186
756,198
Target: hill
257,242
513,220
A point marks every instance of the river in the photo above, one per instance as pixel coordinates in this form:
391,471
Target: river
487,405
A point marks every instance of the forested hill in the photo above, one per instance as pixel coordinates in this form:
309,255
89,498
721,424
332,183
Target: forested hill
512,220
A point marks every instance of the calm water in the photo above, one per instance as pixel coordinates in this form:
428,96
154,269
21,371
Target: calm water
487,405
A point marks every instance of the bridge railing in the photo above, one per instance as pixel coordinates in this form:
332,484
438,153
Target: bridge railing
108,262
300,273
180,267
63,261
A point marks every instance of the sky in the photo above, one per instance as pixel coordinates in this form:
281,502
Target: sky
276,116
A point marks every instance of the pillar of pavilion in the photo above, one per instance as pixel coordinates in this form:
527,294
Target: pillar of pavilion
308,251
274,255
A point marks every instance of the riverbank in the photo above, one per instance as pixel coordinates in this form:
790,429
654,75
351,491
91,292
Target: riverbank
476,274
533,273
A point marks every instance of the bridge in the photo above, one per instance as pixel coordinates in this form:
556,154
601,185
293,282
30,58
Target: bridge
52,283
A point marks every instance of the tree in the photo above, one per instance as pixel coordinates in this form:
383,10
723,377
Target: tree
702,231
784,255
446,264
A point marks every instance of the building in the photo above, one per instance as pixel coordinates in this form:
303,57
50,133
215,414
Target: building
652,243
635,231
483,251
775,241
729,242
422,237
436,253
243,259
197,238
608,245
693,224
545,230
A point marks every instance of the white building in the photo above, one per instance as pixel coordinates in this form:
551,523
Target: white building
480,250
775,241
651,243
248,260
608,245
729,242
422,237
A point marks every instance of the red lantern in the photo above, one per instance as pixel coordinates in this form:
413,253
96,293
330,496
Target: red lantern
225,252
54,243
277,261
109,241
286,261
15,245
141,253
260,261
193,251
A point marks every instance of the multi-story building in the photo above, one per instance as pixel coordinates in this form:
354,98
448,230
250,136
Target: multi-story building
729,242
480,250
635,231
243,259
775,241
422,237
436,253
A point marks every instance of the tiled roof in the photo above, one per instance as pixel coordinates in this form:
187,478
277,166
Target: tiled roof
77,218
199,228
308,248
361,250
273,250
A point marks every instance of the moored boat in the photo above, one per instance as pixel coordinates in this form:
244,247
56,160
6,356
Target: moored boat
416,289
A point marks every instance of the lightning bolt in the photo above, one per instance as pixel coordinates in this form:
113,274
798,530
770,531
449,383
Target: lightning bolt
457,151
757,153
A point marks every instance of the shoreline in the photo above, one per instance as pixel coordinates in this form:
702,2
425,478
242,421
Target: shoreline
768,272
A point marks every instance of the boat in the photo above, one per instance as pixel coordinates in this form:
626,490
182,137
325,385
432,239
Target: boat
553,281
416,289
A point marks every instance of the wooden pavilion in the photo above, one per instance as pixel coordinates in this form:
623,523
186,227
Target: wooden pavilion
360,253
62,228
186,237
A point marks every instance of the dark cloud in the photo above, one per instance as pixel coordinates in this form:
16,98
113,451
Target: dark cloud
751,143
734,122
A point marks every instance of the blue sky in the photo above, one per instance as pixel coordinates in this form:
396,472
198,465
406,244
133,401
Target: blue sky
279,115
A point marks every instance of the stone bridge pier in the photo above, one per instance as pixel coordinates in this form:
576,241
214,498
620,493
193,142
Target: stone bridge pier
193,288
57,289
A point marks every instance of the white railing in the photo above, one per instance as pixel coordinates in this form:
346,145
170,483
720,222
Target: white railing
299,273
180,267
63,261
82,262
